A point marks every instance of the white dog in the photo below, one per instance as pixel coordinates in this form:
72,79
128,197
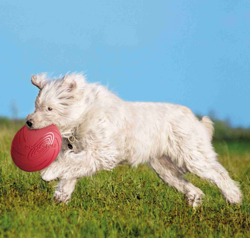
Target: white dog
108,131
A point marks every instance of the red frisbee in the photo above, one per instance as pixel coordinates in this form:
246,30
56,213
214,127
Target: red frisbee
34,150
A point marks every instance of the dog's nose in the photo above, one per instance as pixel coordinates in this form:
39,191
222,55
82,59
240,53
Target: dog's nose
29,123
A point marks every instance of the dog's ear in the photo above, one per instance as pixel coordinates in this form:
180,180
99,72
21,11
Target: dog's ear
69,82
39,80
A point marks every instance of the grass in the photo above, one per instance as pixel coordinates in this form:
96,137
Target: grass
127,202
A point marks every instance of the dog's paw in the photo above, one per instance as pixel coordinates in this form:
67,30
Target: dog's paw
233,194
195,199
61,197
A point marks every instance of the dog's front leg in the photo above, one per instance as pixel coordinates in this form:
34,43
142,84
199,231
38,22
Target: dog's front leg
70,166
77,165
64,190
54,170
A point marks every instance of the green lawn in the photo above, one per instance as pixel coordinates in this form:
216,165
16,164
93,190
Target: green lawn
127,202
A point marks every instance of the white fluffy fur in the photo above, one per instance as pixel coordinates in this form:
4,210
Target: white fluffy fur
110,131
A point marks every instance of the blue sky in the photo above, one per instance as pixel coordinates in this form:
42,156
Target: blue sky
194,53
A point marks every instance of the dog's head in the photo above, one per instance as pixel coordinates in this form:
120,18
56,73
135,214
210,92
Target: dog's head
55,101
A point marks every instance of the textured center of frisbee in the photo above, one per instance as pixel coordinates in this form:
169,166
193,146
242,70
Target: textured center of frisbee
41,146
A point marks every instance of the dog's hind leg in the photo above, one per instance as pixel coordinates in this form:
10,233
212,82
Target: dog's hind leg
171,175
209,168
64,190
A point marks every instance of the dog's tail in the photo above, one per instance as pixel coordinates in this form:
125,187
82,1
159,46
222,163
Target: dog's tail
206,121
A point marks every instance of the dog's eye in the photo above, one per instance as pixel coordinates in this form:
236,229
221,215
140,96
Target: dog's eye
49,108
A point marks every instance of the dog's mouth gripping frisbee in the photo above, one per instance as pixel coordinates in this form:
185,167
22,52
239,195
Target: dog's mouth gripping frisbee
34,150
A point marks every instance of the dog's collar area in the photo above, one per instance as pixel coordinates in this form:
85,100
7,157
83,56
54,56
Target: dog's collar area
70,146
71,139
